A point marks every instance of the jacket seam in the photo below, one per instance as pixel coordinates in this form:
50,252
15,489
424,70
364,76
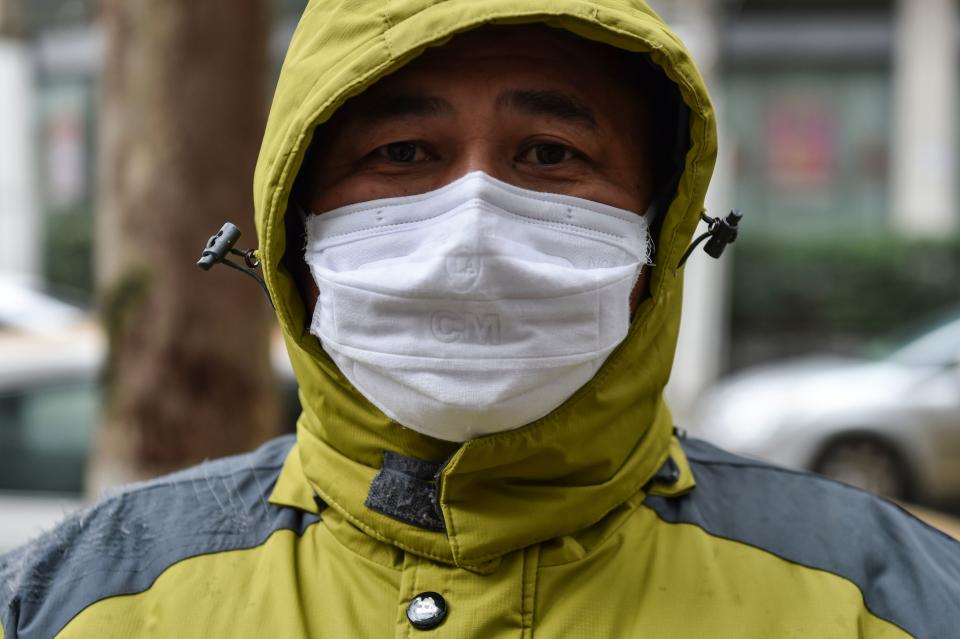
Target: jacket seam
387,27
794,562
261,543
528,591
155,484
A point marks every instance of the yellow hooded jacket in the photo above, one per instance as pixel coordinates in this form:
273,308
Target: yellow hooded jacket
595,521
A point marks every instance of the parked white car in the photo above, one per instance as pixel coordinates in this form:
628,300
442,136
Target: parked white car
49,410
49,403
25,307
891,426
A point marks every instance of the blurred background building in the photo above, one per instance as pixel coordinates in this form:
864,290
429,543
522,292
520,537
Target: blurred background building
51,56
839,142
838,129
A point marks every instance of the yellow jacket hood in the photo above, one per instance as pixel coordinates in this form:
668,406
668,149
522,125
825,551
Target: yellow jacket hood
563,472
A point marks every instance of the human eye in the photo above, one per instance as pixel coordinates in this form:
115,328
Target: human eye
405,152
548,154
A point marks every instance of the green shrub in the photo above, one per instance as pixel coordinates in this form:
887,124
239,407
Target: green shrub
805,291
68,254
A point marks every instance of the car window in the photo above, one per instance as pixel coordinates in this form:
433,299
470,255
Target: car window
45,436
939,347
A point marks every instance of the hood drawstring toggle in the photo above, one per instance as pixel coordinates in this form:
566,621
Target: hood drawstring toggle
221,245
721,232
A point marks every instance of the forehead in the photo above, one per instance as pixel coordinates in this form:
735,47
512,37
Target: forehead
527,54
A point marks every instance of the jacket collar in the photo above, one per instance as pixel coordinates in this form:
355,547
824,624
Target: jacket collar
540,512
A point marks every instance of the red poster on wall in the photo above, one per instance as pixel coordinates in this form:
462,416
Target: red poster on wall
800,142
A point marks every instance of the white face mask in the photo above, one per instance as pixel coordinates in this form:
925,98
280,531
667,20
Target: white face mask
476,308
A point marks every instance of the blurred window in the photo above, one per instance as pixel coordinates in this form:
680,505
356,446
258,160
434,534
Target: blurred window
45,435
810,148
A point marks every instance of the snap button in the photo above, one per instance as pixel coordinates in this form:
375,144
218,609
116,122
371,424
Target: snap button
427,610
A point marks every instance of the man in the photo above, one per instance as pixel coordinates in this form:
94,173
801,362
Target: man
457,204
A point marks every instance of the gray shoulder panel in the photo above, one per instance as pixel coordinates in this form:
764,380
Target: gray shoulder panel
121,545
908,572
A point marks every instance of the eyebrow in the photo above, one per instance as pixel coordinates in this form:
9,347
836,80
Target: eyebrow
550,103
397,106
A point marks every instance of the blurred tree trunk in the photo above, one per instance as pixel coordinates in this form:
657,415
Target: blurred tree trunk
9,19
182,114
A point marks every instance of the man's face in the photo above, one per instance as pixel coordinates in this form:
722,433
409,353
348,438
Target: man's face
530,106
